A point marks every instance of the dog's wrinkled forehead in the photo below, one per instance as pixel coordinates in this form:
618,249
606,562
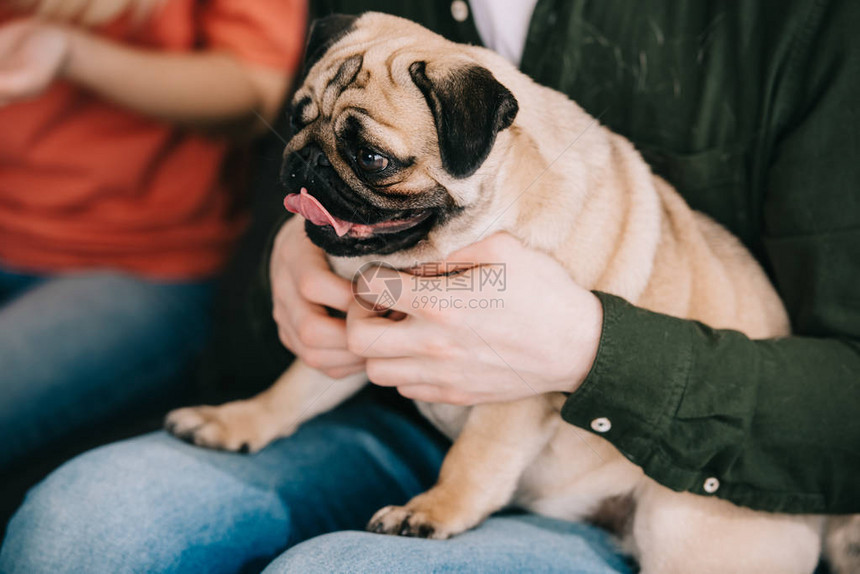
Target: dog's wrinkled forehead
400,83
355,55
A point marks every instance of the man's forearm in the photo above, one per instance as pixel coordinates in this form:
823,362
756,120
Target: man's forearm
774,421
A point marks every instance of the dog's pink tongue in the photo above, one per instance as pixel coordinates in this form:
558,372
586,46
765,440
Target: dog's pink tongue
311,209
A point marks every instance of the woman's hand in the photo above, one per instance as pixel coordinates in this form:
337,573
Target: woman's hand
32,57
537,335
302,286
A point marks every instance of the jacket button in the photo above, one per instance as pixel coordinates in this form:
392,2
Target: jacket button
711,485
602,424
459,10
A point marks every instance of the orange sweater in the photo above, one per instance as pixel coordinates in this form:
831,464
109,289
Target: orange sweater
86,184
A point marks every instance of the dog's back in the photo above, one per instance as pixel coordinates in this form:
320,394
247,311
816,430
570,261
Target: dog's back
662,256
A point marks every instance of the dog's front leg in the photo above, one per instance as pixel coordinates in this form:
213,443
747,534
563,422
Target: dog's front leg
248,425
480,472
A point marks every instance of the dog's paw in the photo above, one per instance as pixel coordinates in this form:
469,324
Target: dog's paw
401,521
238,426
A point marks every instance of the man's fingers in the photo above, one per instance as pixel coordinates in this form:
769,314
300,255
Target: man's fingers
345,371
369,334
318,330
329,360
309,326
434,394
336,362
425,393
323,287
397,372
311,322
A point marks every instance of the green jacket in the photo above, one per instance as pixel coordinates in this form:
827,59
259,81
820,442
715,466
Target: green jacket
751,109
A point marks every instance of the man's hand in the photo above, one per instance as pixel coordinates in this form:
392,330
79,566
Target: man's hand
540,335
302,286
32,56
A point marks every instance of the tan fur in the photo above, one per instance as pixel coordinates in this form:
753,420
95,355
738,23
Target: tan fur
565,185
843,544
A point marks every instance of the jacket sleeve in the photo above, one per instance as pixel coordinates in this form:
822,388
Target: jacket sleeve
769,424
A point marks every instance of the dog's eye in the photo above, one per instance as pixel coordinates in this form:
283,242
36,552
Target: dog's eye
370,161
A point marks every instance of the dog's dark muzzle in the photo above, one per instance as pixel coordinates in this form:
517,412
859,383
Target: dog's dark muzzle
376,230
311,169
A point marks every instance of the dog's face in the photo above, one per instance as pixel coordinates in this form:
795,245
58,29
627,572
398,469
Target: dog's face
390,125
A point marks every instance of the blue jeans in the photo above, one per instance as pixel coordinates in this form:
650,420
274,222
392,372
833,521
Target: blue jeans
79,349
155,504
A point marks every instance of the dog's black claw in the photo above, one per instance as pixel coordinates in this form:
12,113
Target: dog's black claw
405,527
245,448
416,530
376,527
170,427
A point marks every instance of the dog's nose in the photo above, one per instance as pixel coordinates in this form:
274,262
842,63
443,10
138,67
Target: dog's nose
304,164
318,158
313,157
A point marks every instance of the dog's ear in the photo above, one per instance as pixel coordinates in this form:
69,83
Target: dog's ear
323,34
469,108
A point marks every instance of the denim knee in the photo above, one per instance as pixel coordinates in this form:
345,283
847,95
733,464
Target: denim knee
347,551
150,504
90,515
508,543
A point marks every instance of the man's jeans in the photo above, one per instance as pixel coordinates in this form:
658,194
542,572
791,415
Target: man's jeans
155,504
81,349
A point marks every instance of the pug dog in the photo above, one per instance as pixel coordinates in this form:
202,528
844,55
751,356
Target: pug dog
408,147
